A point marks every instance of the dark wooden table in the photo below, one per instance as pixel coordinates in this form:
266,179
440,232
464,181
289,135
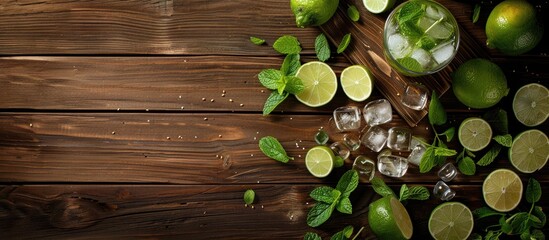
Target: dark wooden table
141,119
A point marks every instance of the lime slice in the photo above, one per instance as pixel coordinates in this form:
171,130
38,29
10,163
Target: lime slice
474,134
502,190
378,6
530,151
357,82
531,104
451,221
320,83
320,161
389,219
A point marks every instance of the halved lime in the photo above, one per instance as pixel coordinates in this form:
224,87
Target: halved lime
378,6
502,190
389,219
531,104
320,161
451,221
530,151
474,134
357,82
320,83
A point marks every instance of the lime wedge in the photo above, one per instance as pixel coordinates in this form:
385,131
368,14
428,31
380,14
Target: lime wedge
531,104
320,83
320,161
502,190
530,151
474,134
451,221
357,82
378,6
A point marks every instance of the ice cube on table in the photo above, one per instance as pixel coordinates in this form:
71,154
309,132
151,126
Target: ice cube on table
347,118
443,52
321,137
377,112
415,96
374,138
443,191
352,140
340,149
416,154
399,46
392,165
365,167
447,172
399,138
423,58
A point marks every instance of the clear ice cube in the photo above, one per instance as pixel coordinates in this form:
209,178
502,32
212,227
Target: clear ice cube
347,118
447,172
443,52
417,153
321,137
374,138
377,112
340,149
365,167
352,140
399,46
392,166
415,96
443,191
433,13
399,138
423,58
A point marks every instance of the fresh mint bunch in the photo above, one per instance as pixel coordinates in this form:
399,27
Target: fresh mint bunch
526,225
328,199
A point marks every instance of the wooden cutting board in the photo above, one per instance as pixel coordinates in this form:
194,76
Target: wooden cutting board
366,48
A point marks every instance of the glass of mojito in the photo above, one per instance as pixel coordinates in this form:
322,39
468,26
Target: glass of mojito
420,37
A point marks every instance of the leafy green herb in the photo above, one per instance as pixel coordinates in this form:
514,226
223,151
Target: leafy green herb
467,166
322,48
504,140
449,133
257,41
413,193
410,12
437,115
497,119
381,188
490,156
344,234
311,236
249,196
294,85
533,191
427,161
328,199
410,63
476,13
344,43
270,78
290,65
273,101
287,44
352,13
272,148
484,212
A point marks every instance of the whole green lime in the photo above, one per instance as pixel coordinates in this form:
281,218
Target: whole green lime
389,219
313,12
479,83
513,27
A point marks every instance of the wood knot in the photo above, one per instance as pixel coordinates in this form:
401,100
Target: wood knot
75,212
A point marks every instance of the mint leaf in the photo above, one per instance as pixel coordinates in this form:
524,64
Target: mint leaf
411,31
352,13
497,119
533,191
311,236
249,196
344,234
257,41
404,193
411,11
273,101
322,48
348,183
537,234
427,161
344,206
323,194
272,148
538,212
270,78
444,152
344,43
490,155
320,213
467,166
449,133
381,188
426,42
418,193
294,85
504,140
290,65
476,13
410,63
519,223
437,115
485,212
287,44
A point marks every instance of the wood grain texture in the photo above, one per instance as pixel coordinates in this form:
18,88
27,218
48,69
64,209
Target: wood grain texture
190,212
196,148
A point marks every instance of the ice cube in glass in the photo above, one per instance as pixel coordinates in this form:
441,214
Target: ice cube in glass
377,112
443,191
399,138
365,167
447,172
374,138
347,118
392,165
415,96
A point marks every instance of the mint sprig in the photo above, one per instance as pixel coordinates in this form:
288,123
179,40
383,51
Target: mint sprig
328,199
272,148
